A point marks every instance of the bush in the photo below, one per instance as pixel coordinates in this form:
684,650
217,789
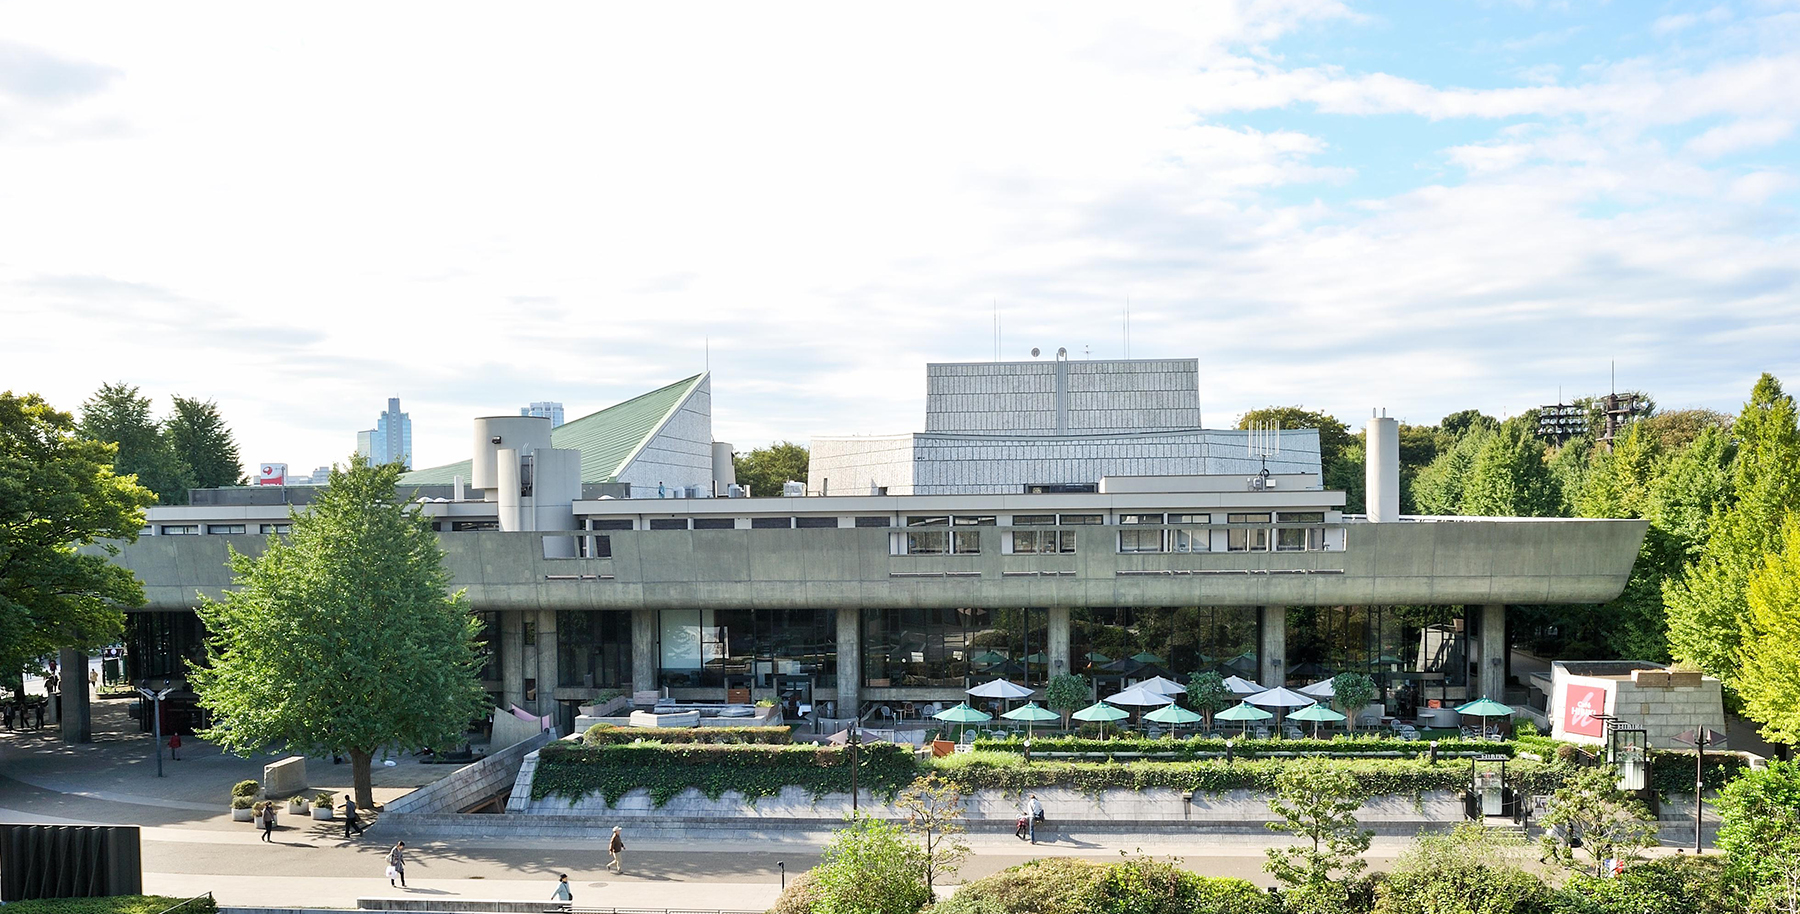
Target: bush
608,735
1063,885
1244,748
116,904
1670,885
1469,871
801,894
870,867
755,771
241,803
245,788
325,800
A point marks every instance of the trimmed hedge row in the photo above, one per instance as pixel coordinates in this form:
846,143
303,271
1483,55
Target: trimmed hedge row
1245,748
115,904
609,735
666,770
1004,771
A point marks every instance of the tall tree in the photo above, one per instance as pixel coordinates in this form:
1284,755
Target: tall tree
1707,608
345,638
1317,803
766,468
1771,653
199,438
1438,489
1509,477
1458,425
119,415
58,492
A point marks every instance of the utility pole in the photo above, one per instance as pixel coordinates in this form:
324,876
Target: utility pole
156,698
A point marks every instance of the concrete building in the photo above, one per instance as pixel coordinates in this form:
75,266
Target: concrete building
547,409
1052,426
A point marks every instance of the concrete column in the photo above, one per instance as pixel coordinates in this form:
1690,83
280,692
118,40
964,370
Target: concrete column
643,650
512,651
1059,641
548,661
77,727
1273,662
1491,653
849,661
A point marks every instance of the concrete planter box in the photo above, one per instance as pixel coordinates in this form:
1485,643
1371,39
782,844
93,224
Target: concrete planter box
299,809
322,813
243,815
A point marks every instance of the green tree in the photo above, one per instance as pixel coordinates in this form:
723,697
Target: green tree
1771,653
201,441
118,414
1066,692
1317,802
766,468
58,493
1208,694
1349,474
1759,831
1334,436
1352,691
1438,488
869,867
1707,609
934,809
1471,870
343,639
1509,477
1590,806
1459,425
1677,429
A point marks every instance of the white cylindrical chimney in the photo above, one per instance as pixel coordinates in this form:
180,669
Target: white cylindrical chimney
1382,462
519,433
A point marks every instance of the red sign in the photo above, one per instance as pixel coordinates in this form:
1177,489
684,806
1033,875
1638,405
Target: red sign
272,474
1581,704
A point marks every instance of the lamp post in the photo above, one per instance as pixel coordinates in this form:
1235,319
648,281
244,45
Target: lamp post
782,865
854,741
155,697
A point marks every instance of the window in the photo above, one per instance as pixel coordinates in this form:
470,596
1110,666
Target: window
1076,520
181,530
593,649
1026,542
1034,520
966,542
668,523
739,648
1140,541
1129,519
975,520
771,523
594,547
815,523
1190,541
281,529
224,528
874,522
1299,539
1062,487
1300,517
1248,539
610,523
1246,518
929,520
1190,518
943,646
472,526
936,542
714,523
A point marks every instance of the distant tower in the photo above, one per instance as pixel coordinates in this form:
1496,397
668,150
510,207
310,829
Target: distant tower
546,409
390,441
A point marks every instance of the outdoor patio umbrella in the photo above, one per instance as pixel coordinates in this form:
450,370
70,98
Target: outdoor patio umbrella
1321,689
1100,713
1139,697
1244,712
1032,715
988,658
962,714
1038,657
1240,686
1484,708
1146,657
1165,686
1174,716
1000,688
1281,699
842,737
1316,713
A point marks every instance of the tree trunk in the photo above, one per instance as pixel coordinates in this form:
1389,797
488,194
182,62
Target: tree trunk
359,772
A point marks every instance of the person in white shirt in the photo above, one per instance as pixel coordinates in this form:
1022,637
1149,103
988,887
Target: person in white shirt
1034,813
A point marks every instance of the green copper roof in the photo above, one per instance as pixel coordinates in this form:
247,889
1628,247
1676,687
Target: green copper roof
607,439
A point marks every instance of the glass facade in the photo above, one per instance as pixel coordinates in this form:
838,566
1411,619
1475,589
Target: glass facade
593,650
949,647
741,648
1115,644
1421,650
163,645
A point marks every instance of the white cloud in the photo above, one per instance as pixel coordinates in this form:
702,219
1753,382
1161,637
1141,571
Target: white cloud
1738,136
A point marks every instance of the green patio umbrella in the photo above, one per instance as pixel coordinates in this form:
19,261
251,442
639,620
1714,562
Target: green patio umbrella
1316,713
1174,716
1038,657
1032,715
988,658
963,715
1146,657
1243,712
1097,657
1484,708
1100,712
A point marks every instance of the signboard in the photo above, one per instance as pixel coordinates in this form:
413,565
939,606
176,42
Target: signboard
1581,705
272,474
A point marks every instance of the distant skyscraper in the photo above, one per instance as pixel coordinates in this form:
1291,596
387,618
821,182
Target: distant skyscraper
390,441
547,409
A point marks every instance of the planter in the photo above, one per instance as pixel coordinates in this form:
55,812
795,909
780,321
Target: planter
256,822
299,809
243,815
322,813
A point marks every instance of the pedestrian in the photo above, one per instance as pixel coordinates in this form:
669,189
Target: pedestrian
1035,810
268,823
562,889
396,861
175,746
94,681
351,821
614,848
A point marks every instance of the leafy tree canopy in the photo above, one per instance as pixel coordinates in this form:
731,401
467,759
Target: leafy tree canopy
200,440
766,468
117,413
1459,424
1316,802
1334,436
343,639
1759,823
1438,489
1771,653
57,493
870,867
1509,478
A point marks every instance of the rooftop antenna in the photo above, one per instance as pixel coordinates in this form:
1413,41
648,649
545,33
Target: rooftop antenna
709,354
1128,326
996,329
1263,442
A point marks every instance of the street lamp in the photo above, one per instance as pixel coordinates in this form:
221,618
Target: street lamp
155,698
854,741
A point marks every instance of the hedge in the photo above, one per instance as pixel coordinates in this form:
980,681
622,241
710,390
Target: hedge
665,770
1245,748
608,735
115,904
1061,885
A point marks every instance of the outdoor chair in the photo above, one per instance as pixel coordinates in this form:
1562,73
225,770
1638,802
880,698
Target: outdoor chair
964,747
1293,732
1368,721
1261,733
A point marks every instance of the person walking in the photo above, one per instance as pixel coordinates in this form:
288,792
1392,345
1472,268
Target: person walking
175,746
1035,810
396,861
562,889
352,822
614,848
268,823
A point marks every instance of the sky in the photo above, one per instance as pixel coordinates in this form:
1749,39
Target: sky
1421,207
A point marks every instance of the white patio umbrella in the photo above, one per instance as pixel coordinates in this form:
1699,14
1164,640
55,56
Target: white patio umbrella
1001,689
1321,689
1280,699
1240,686
1165,686
1139,697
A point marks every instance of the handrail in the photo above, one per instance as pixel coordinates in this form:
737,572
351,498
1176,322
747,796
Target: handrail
183,904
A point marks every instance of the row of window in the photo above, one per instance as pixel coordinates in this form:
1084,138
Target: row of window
960,520
222,529
1062,542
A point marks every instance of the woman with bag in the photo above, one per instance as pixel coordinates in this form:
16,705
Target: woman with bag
615,847
396,863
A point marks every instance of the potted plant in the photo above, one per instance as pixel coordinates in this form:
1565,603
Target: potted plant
298,806
241,809
322,805
258,810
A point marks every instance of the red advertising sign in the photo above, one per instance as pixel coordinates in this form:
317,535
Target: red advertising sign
1580,705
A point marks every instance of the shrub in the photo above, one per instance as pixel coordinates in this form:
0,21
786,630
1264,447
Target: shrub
1468,871
1759,828
870,867
608,735
246,788
116,904
1245,748
1062,885
754,771
325,800
801,894
1670,885
238,803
